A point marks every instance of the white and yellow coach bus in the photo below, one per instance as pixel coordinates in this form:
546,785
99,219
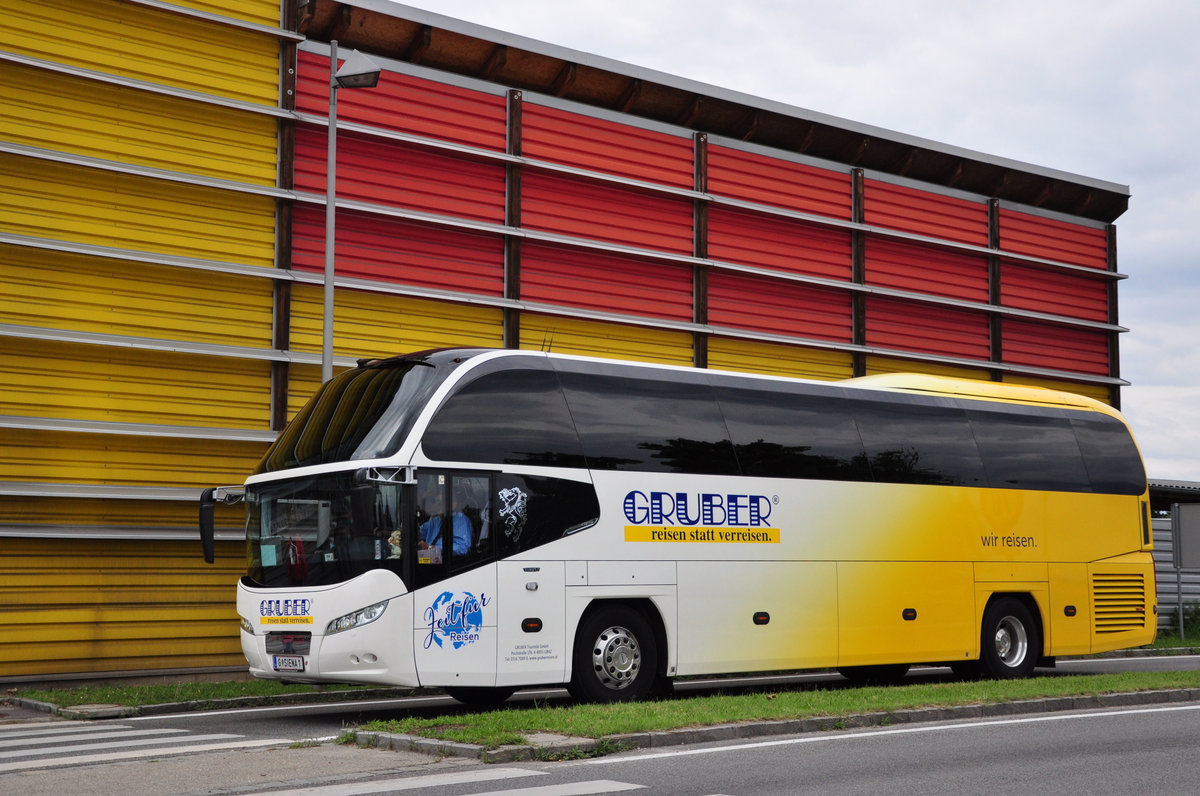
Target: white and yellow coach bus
485,520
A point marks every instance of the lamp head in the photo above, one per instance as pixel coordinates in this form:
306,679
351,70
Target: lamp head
358,71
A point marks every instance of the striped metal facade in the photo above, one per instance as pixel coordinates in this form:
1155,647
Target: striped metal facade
162,252
139,190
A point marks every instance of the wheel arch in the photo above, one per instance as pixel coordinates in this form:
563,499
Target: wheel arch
646,608
1031,604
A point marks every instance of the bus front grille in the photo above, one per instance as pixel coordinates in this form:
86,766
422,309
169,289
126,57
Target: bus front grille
1118,602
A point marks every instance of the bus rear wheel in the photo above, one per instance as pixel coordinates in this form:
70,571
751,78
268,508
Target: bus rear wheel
1009,644
615,659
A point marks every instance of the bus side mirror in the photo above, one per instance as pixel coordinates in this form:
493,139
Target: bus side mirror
208,498
206,526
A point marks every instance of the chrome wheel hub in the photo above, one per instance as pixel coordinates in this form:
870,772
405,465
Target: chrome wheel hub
616,657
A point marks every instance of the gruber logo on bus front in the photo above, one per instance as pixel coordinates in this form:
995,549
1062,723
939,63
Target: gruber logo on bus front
286,612
699,517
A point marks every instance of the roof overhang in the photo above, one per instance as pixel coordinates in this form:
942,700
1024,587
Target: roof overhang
439,42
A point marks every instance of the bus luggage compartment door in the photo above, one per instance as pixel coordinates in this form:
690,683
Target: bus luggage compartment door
532,635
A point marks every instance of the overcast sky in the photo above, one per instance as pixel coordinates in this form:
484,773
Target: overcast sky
1107,90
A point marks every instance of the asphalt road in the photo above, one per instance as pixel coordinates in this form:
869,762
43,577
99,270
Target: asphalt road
263,750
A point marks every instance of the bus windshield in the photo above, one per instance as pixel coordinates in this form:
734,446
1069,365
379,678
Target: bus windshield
362,413
322,529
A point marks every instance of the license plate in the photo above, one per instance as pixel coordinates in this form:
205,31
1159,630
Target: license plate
289,663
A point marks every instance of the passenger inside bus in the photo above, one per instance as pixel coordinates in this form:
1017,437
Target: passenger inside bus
429,542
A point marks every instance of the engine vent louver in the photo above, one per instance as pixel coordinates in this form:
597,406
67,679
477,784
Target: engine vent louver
1118,602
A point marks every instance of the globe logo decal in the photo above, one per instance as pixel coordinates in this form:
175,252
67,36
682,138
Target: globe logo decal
455,620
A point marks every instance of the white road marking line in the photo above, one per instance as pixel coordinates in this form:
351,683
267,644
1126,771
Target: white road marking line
569,789
108,757
853,735
410,783
123,744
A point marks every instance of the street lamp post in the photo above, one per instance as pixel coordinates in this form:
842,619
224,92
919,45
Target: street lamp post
358,72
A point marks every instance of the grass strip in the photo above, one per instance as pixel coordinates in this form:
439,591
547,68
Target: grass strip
511,725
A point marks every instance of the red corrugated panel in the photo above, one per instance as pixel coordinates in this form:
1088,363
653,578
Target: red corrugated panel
925,213
408,104
926,328
782,244
924,269
1075,295
1045,345
392,250
391,173
574,206
771,181
742,301
1052,239
600,145
607,282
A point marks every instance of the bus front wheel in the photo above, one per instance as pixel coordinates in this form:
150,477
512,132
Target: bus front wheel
615,659
1009,645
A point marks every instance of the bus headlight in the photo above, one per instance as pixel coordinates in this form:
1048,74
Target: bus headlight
363,616
246,626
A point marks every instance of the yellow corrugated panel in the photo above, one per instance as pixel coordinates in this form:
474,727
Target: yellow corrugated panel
57,290
70,114
147,44
57,201
725,353
1095,391
303,382
72,605
262,12
77,512
89,382
78,458
599,339
383,325
885,365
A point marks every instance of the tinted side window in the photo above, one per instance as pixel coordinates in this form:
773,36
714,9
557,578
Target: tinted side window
1110,455
1024,450
511,416
781,434
527,511
656,423
912,443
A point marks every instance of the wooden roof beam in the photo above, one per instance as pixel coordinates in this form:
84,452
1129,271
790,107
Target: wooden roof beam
564,79
495,62
414,53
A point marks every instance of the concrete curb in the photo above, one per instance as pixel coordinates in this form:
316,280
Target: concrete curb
546,746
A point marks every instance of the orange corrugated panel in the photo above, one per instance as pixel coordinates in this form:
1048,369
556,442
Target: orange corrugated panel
766,180
574,206
402,175
601,145
1038,236
1045,345
925,213
743,301
782,244
406,252
924,269
926,328
408,104
1076,295
607,282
